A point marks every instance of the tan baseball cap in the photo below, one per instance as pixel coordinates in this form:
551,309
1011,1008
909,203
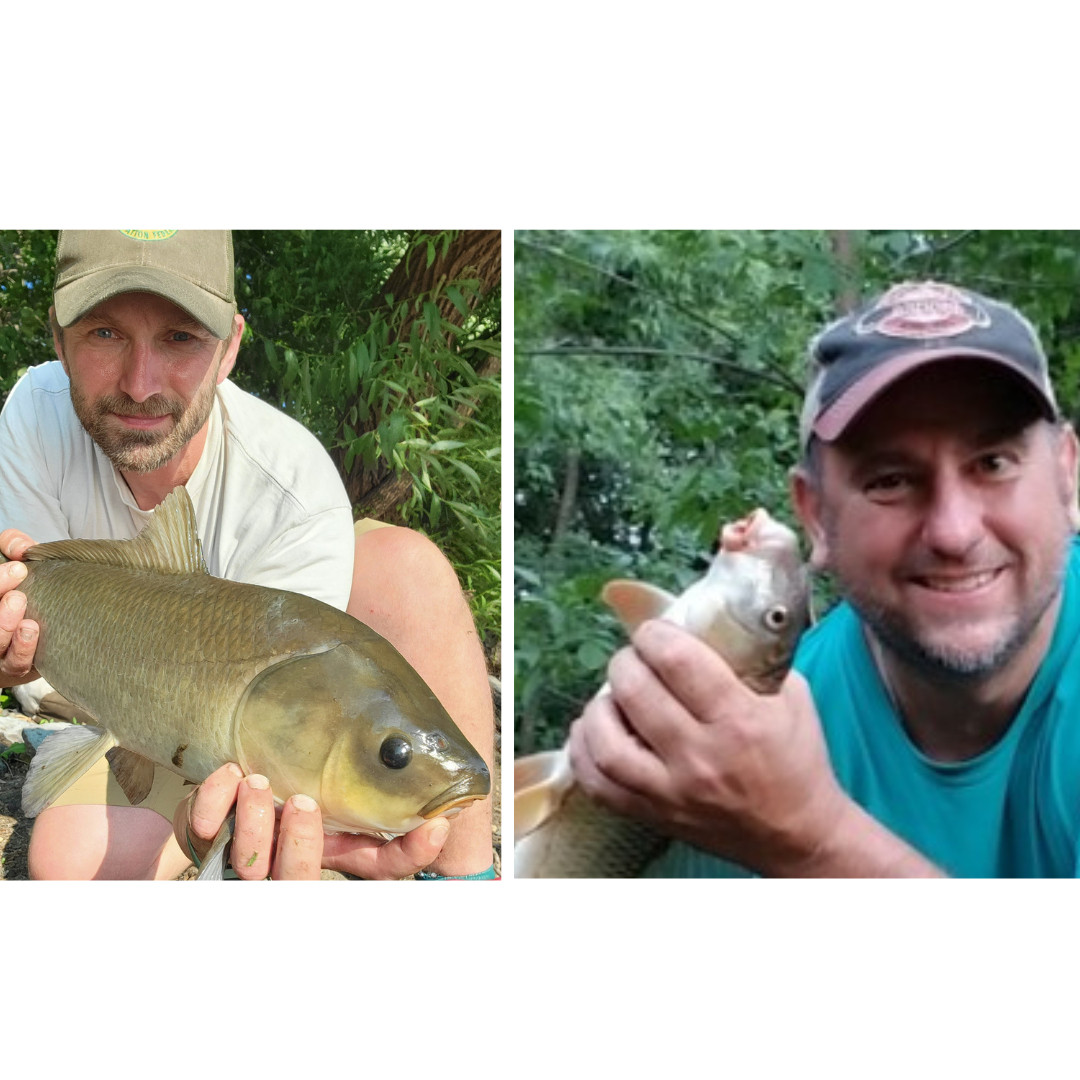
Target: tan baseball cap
192,268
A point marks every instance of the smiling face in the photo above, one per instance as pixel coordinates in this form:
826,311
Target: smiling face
945,512
143,374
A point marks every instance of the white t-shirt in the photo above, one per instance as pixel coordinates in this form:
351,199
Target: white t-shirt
269,502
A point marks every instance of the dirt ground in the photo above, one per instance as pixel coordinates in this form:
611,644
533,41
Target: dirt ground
15,829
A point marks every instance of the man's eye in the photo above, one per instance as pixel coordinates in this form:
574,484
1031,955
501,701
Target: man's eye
996,464
887,483
183,335
104,333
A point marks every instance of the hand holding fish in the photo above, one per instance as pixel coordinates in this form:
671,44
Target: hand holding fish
18,635
681,742
290,845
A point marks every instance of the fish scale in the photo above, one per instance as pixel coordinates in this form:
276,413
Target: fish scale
130,621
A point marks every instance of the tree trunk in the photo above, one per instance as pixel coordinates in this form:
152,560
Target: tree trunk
568,497
847,297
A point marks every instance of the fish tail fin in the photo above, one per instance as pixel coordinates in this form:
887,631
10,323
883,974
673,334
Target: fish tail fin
541,782
213,864
60,760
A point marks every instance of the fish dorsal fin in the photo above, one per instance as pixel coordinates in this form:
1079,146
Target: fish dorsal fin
169,544
636,601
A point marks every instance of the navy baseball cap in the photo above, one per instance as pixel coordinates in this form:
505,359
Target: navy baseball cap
858,357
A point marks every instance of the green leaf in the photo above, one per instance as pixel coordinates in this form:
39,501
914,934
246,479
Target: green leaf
459,302
593,655
468,471
292,369
492,348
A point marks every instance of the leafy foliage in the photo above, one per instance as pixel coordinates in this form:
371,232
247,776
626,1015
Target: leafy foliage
390,384
26,284
658,381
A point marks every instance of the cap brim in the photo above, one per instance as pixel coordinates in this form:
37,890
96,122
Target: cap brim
76,299
834,420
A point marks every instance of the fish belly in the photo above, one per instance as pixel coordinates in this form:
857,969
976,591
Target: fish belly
585,840
160,660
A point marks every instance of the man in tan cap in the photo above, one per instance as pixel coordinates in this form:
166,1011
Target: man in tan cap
146,332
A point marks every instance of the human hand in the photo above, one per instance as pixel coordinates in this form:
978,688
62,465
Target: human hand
291,844
18,635
682,743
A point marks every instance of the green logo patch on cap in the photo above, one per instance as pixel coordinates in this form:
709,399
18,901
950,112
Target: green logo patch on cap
149,234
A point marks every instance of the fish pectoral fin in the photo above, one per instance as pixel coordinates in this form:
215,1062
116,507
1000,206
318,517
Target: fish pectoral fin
133,772
541,782
636,601
213,864
60,760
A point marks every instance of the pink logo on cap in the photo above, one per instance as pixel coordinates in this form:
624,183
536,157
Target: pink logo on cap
923,310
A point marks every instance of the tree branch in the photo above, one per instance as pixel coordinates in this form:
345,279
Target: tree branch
781,380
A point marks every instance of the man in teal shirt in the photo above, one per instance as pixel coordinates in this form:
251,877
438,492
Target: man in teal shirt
932,724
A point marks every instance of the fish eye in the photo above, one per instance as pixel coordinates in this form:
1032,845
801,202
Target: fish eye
395,752
776,618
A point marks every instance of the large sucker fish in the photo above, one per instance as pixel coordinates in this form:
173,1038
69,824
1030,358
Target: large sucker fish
188,671
751,606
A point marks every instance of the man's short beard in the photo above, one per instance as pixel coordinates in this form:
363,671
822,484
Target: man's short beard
942,663
137,451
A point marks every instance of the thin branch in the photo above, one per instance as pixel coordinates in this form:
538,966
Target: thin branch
929,252
781,380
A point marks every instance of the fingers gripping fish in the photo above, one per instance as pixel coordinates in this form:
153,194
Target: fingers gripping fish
751,606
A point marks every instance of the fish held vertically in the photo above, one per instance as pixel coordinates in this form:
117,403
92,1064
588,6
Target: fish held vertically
751,607
188,671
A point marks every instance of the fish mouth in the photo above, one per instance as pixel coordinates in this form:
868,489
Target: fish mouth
465,791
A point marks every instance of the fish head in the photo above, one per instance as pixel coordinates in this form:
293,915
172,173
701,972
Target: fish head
754,602
357,729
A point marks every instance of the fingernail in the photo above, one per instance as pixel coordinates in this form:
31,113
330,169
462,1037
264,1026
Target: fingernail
16,571
440,828
305,803
236,770
258,782
26,633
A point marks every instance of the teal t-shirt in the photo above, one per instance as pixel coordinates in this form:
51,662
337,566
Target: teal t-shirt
1013,811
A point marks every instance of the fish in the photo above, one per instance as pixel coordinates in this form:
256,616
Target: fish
751,607
187,671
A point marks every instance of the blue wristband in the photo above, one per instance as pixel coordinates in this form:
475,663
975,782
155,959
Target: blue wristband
484,875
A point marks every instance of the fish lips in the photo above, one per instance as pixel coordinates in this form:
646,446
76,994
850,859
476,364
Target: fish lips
468,789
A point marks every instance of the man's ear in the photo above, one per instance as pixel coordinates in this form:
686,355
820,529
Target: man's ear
1068,458
228,361
58,344
806,500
